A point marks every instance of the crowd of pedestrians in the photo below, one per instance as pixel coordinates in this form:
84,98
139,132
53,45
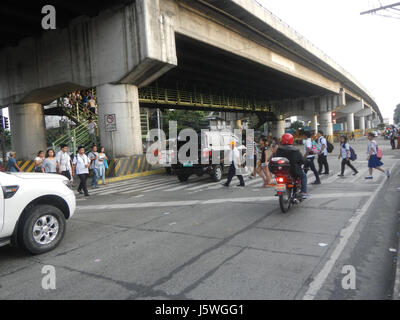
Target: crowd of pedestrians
70,166
85,98
259,154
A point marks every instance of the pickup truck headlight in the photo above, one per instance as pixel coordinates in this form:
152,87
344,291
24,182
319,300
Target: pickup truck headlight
9,191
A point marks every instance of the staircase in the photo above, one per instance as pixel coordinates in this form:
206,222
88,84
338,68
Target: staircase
78,135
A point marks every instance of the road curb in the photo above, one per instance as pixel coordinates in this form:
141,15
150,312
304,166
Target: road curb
396,289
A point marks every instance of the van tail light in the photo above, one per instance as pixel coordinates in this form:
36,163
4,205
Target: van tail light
207,154
9,191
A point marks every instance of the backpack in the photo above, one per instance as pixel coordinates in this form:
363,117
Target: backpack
379,153
353,155
329,146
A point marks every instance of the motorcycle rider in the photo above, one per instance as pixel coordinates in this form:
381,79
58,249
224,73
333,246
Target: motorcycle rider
296,159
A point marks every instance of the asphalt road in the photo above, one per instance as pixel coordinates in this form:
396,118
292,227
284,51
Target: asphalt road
156,238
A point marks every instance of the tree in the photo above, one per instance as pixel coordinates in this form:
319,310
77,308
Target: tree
184,118
297,125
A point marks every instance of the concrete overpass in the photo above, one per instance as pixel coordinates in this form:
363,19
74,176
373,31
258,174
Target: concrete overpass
234,51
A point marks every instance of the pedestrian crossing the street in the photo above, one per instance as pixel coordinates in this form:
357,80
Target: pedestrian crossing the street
170,184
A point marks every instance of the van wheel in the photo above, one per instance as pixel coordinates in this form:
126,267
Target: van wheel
217,173
183,177
41,229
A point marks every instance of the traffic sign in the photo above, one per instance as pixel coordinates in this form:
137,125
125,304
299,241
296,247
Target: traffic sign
111,122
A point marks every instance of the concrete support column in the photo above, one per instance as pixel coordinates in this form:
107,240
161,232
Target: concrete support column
326,124
369,123
279,128
350,122
28,132
362,124
314,123
122,101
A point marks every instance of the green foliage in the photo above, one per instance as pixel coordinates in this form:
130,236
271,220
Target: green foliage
297,125
184,118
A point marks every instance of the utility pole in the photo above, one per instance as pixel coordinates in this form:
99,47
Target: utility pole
390,6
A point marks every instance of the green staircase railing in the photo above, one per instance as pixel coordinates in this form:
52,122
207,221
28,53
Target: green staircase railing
78,136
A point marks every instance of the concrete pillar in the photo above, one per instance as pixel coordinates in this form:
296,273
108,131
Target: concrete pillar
28,132
314,123
122,101
326,124
350,122
279,128
362,124
369,123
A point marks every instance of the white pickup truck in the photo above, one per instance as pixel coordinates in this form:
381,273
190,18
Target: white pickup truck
34,208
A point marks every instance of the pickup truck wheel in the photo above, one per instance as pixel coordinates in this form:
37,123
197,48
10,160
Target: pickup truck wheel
217,173
41,229
183,177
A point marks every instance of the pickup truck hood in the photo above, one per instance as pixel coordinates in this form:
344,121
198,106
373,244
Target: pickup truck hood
38,175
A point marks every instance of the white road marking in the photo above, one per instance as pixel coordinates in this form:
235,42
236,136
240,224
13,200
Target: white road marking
149,186
345,235
213,201
117,187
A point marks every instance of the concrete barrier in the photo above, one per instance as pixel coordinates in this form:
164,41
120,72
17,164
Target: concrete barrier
118,167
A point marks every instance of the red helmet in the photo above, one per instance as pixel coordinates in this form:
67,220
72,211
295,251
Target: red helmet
287,138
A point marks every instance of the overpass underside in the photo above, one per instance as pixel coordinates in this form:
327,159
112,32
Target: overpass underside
214,55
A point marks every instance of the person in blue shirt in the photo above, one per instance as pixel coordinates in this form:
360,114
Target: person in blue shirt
12,163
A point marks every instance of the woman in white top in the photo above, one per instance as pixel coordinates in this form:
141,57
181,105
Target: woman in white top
373,160
102,168
80,167
345,155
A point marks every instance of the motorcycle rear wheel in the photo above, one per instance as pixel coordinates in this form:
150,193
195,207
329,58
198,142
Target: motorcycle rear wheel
285,200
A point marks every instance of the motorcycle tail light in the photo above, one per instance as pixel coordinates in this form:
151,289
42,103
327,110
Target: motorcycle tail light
280,180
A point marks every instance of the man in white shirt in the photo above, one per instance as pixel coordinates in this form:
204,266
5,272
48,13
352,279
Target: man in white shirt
234,160
91,129
94,165
63,161
81,164
323,156
309,155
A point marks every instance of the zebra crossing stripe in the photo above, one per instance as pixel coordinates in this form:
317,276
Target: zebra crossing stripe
147,187
135,184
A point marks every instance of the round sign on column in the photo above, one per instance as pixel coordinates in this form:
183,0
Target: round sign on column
111,122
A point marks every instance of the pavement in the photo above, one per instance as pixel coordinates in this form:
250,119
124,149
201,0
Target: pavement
157,238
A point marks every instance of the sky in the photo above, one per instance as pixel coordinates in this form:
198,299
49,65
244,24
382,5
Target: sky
367,46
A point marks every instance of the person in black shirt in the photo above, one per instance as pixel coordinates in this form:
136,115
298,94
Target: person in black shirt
296,159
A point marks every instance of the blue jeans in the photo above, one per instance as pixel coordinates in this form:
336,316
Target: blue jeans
95,177
102,172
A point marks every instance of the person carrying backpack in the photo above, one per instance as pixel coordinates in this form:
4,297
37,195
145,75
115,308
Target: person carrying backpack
323,155
374,157
347,154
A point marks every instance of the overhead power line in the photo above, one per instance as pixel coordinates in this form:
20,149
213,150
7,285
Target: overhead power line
390,6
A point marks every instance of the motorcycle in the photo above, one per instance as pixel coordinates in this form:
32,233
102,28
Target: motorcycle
287,188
